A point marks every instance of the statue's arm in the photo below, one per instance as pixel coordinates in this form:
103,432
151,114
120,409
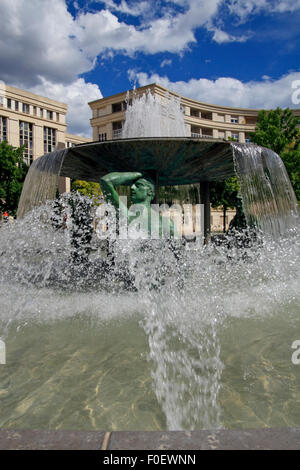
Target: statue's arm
111,180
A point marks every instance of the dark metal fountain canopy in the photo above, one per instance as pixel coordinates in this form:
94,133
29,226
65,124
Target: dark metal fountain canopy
180,160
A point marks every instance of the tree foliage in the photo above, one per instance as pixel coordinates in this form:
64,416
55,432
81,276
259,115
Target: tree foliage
13,170
224,193
87,188
278,130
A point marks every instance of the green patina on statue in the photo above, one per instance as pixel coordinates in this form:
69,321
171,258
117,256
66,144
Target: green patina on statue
142,193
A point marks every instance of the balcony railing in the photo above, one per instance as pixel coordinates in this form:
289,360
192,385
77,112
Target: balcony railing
117,134
197,136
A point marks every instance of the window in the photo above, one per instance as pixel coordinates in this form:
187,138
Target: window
16,105
41,112
206,115
49,139
235,136
195,112
196,131
206,132
25,108
102,137
34,110
117,129
25,130
118,107
234,120
1,101
57,117
50,115
9,103
3,128
69,144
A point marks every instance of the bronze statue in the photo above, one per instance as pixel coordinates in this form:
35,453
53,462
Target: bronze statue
142,193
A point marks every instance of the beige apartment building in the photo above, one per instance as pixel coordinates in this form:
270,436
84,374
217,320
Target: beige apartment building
36,122
201,119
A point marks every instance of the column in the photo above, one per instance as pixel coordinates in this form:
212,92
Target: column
204,196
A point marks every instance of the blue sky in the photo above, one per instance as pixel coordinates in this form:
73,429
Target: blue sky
242,53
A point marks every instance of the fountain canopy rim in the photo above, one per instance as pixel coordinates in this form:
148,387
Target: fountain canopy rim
175,160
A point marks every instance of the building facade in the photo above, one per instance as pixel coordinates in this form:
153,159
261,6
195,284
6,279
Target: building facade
35,122
201,119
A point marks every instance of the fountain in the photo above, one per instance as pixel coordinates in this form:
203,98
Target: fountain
200,342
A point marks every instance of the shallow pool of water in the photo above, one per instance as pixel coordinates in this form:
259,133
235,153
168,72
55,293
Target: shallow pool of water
87,373
203,342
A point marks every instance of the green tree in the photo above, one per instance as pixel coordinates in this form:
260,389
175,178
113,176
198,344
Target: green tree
278,130
13,170
90,189
224,193
291,159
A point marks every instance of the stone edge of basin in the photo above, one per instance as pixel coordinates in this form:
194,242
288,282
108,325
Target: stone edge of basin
250,439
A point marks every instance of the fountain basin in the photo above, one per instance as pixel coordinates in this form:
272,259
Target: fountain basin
178,161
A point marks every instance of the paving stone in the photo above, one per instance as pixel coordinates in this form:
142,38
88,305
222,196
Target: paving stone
253,439
52,440
207,440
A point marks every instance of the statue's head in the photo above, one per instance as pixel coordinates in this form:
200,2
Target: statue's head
142,190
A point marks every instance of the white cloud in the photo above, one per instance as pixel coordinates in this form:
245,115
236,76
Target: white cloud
244,8
102,30
166,62
221,36
228,91
76,95
286,5
38,38
130,8
41,38
39,51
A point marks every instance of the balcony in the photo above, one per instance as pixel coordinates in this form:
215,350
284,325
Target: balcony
206,115
196,135
195,113
117,134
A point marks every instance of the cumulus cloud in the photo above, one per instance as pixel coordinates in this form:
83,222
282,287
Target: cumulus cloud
41,38
229,91
38,38
102,30
39,51
76,95
244,8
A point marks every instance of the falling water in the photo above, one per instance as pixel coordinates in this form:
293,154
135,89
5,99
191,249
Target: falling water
41,182
268,197
154,116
